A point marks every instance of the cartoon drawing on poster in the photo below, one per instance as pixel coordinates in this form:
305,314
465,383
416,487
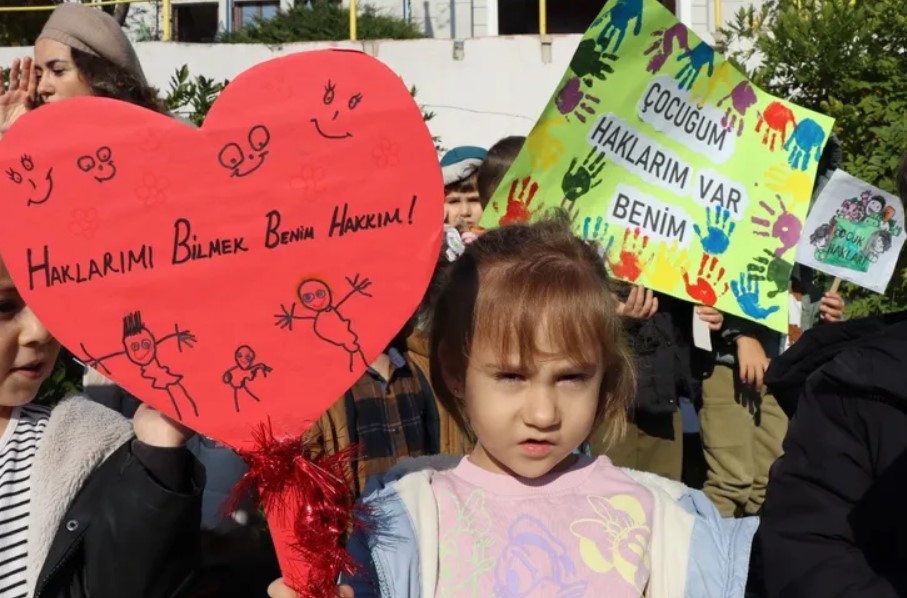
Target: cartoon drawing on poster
335,130
208,243
243,373
38,191
141,348
328,323
232,156
99,165
693,180
855,232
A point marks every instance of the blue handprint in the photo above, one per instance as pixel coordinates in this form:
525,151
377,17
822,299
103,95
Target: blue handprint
718,231
806,136
700,56
597,233
746,291
623,12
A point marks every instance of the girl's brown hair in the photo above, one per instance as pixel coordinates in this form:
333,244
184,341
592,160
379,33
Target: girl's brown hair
513,280
497,162
110,81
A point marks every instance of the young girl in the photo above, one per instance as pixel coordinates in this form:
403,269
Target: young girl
527,352
90,505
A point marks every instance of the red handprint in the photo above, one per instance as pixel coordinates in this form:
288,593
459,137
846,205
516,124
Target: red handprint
706,280
518,204
630,262
777,117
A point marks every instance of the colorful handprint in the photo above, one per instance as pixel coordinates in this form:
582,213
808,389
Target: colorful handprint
701,56
746,291
807,138
796,184
595,232
663,46
620,16
667,266
710,275
718,231
786,227
776,118
742,97
773,269
545,150
580,178
631,259
706,87
572,99
590,62
519,205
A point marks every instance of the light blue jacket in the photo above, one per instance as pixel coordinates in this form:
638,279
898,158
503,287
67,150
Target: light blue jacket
695,553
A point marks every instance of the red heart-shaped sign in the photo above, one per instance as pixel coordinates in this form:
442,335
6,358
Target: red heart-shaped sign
242,272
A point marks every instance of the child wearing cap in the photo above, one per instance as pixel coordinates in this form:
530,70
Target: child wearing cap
460,167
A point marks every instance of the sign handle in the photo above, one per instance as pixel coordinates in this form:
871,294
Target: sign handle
835,285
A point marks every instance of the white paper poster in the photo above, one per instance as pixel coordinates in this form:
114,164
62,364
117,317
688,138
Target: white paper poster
854,231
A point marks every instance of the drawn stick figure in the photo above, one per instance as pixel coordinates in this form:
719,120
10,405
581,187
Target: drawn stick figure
140,347
328,323
245,371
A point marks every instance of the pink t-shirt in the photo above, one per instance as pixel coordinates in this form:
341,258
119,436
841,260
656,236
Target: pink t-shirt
583,532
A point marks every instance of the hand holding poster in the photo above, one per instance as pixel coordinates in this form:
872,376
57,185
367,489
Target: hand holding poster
694,180
855,232
231,276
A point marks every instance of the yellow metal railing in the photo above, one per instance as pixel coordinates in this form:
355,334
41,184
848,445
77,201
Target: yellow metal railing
543,17
166,31
354,17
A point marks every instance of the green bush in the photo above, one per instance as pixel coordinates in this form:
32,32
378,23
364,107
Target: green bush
322,20
192,97
847,59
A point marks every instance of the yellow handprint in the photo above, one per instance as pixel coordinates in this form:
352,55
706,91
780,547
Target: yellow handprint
667,267
545,150
794,183
705,87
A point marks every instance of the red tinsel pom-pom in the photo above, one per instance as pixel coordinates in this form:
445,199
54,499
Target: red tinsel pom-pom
299,483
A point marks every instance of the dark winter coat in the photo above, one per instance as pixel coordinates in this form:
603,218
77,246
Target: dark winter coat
111,517
833,520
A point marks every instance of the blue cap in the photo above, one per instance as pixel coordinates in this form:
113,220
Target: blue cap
461,162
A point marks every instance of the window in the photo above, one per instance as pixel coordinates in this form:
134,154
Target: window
518,17
195,22
245,13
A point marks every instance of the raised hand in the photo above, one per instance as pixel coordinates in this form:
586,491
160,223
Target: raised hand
17,96
184,337
359,286
286,317
746,291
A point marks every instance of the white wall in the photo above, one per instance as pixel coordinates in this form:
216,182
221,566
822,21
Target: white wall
499,88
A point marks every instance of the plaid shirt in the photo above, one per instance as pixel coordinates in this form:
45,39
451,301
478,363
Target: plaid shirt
389,420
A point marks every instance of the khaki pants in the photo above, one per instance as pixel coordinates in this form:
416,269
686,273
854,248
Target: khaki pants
653,443
742,432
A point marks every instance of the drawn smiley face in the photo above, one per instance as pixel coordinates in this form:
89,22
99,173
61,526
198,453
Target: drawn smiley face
315,295
101,164
234,158
141,347
245,357
334,130
27,177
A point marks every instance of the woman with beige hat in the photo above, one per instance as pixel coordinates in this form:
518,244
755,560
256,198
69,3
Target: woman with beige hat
81,51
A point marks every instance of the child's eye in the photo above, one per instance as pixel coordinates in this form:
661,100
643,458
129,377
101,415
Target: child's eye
9,307
577,378
508,377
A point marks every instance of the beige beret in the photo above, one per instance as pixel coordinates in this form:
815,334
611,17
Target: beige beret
95,32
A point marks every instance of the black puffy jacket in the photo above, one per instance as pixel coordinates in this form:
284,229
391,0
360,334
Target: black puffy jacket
110,516
833,520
